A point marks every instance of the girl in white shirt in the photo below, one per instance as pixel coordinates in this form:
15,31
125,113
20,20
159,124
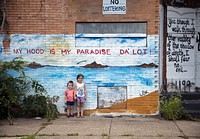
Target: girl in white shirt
80,91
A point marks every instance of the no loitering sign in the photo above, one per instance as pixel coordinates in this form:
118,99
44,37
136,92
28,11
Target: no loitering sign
114,7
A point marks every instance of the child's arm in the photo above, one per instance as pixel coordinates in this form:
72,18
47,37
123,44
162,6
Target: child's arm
74,96
75,91
85,91
65,99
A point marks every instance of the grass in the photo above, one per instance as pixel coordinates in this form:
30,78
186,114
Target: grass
45,124
127,135
72,134
29,137
90,135
104,134
3,136
48,134
160,135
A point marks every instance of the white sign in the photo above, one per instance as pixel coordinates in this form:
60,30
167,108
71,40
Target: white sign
114,7
181,43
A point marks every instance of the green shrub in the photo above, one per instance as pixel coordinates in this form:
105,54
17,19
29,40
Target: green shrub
14,86
34,106
52,111
171,108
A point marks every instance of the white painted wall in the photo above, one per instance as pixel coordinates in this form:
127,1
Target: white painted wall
183,63
197,50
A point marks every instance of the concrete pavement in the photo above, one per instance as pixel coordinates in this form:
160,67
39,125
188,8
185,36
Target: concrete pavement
94,127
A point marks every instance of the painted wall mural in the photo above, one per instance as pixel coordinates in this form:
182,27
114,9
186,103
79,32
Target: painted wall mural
181,45
111,63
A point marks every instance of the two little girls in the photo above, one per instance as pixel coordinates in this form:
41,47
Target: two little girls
78,94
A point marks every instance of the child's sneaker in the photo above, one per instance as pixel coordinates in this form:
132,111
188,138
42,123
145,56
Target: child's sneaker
68,116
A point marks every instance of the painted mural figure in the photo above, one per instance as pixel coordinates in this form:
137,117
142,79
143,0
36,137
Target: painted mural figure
69,99
80,91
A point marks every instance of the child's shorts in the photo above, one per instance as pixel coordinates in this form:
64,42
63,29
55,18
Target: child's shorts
80,99
70,103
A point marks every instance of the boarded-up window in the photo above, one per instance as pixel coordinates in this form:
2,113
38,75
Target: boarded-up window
110,28
112,97
110,34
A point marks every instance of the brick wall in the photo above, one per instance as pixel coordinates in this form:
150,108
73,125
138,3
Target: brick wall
59,16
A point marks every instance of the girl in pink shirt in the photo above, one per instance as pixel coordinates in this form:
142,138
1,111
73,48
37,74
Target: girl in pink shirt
69,99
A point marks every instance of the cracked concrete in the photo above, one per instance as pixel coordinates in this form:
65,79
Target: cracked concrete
92,127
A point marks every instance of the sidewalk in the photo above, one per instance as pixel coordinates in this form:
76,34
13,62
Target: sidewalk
93,127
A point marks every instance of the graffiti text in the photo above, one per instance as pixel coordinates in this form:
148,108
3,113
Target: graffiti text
180,43
94,51
134,51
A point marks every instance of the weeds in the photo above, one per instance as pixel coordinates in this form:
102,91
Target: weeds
72,134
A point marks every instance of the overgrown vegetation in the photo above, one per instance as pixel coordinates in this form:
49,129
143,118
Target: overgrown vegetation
171,108
51,111
15,90
34,105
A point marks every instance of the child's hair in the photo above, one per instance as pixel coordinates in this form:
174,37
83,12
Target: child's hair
70,82
79,75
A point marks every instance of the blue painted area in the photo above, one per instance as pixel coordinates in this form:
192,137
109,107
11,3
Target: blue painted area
57,76
112,76
110,41
1,37
123,40
79,35
145,81
133,38
1,50
93,38
17,35
37,37
21,40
